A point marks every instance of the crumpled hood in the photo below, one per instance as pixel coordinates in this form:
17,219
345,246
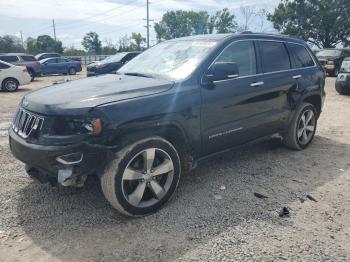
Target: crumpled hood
79,96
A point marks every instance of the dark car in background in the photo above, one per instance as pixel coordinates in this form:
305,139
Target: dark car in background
46,55
173,105
33,66
342,83
332,58
110,64
60,66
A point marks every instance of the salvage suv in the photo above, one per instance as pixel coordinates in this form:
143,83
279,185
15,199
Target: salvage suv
171,106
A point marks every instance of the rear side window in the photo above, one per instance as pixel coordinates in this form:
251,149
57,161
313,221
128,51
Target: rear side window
28,58
4,66
243,54
301,56
52,61
9,58
275,56
50,55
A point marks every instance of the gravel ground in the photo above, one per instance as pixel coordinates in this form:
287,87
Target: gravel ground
214,215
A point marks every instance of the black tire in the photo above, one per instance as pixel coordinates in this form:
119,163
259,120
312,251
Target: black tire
341,90
10,85
336,72
72,71
292,138
114,184
32,74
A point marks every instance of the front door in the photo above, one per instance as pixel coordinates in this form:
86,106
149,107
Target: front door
231,107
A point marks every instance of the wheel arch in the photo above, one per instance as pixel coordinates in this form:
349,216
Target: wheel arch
170,132
8,78
316,101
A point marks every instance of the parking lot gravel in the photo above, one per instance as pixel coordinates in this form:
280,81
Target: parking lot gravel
228,209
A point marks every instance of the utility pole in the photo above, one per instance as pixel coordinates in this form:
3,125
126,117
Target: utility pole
22,39
147,23
54,28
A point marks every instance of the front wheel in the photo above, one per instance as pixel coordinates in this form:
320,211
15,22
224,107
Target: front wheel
143,176
336,72
302,128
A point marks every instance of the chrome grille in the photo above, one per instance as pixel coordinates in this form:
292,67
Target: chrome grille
25,123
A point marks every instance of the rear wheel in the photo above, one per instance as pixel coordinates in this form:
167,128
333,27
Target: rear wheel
302,128
10,85
72,71
142,177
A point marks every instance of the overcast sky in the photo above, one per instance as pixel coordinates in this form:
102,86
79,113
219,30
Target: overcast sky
111,19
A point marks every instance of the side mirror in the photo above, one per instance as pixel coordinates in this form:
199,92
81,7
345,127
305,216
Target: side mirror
220,71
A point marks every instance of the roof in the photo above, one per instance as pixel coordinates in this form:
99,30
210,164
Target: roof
219,37
15,54
47,53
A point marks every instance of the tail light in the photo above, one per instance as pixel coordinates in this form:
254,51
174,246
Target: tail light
25,70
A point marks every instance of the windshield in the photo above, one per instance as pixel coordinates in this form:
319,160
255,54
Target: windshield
329,52
172,59
113,58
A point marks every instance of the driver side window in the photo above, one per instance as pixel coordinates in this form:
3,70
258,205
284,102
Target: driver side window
243,54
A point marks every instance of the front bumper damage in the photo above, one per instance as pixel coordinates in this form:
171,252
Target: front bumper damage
68,165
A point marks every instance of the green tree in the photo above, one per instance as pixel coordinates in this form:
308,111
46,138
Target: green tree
10,44
72,51
125,44
138,40
324,23
43,44
180,23
91,43
224,22
162,31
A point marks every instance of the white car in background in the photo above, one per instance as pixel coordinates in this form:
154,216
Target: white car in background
11,76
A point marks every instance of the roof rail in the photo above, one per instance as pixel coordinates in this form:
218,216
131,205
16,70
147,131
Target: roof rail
247,32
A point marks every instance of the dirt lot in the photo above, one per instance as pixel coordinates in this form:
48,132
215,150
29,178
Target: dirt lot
214,215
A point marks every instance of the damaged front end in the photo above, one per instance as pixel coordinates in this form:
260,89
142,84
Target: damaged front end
55,149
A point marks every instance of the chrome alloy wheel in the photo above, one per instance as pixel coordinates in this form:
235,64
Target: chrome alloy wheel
10,85
306,127
147,177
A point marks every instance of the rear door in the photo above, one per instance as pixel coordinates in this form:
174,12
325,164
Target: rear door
62,65
278,84
306,72
3,71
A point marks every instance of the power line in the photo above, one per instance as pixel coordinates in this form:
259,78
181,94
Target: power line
65,25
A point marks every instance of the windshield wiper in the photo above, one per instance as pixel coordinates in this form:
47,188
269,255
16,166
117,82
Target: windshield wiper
137,74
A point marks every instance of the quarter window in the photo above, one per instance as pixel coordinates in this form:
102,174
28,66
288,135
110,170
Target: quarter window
28,58
243,54
301,56
4,66
9,58
275,56
51,61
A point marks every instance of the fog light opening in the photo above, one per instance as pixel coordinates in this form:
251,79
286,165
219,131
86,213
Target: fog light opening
70,159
